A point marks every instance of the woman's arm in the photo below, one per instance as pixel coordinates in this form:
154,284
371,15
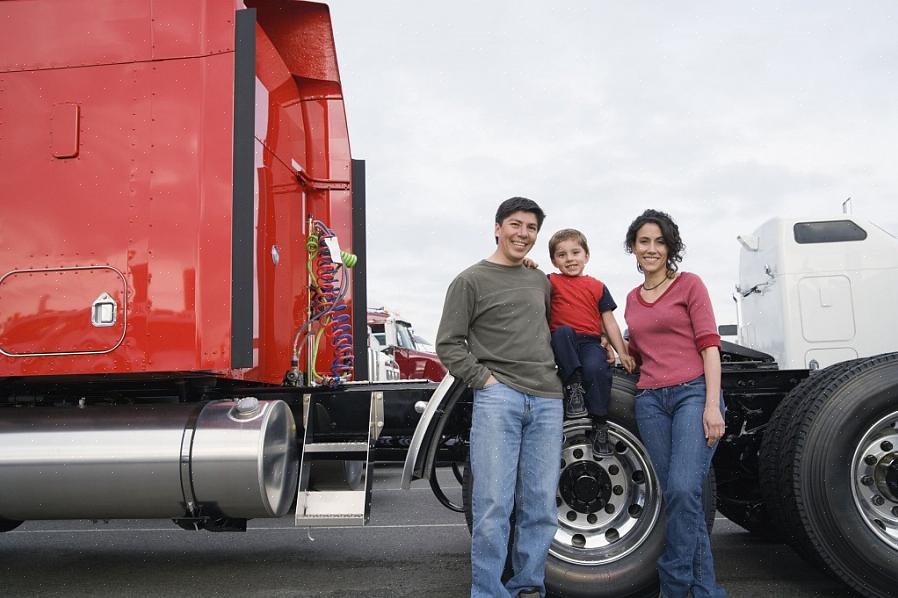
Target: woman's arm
712,419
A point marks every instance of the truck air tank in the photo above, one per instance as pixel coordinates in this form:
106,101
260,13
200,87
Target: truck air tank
229,458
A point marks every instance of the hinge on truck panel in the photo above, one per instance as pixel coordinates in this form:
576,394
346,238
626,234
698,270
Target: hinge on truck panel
319,184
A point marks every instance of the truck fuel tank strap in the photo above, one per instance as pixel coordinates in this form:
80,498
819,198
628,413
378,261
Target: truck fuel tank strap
190,508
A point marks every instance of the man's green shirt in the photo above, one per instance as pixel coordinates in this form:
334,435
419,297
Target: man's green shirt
495,321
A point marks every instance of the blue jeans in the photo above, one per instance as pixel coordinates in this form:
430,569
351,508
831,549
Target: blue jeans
515,459
670,424
584,352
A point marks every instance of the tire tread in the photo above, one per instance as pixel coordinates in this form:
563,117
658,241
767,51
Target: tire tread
815,536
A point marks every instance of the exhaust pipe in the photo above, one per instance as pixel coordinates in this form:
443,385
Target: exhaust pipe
234,459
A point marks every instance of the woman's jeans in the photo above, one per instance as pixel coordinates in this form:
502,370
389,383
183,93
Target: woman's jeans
515,459
670,425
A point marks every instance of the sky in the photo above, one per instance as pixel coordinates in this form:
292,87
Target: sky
722,114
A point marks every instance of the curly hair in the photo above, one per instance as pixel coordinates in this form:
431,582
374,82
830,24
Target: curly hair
669,231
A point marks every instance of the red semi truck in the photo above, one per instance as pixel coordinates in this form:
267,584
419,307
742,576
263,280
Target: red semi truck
177,223
414,357
182,327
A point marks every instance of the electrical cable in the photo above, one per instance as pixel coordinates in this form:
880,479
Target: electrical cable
328,286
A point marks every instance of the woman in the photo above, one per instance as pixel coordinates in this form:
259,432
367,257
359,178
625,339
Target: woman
679,409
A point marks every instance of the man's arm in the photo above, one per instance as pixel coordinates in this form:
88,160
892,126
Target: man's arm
452,335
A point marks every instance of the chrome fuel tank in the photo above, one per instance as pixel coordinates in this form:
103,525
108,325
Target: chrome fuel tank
230,458
244,457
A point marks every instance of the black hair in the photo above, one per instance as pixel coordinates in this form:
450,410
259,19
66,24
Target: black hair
520,204
669,231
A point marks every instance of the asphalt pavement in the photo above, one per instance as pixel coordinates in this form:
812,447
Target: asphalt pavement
412,547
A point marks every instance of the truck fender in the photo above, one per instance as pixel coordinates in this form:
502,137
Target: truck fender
425,440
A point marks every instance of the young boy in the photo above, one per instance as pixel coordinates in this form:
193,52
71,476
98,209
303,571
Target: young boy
582,310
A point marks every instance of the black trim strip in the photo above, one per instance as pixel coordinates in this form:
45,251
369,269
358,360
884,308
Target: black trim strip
359,274
242,246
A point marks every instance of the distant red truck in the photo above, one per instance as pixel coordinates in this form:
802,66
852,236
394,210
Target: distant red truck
395,337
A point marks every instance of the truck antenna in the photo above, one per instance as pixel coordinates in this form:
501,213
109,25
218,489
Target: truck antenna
846,206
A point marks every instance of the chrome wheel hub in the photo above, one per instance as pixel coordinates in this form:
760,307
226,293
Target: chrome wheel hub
874,479
607,504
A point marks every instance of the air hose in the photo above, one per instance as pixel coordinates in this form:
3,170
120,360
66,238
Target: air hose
328,287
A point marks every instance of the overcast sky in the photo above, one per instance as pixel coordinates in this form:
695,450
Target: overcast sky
724,114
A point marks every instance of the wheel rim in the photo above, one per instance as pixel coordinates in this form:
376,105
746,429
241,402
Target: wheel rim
607,506
874,479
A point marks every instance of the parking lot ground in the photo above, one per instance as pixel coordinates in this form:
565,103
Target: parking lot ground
412,547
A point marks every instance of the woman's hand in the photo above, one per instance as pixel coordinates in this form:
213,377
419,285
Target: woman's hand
712,419
628,362
713,424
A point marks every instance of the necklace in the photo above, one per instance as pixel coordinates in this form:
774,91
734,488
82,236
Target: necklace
663,280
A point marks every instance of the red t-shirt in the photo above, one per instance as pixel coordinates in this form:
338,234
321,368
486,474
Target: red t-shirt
578,302
667,336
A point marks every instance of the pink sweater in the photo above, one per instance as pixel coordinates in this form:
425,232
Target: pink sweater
667,336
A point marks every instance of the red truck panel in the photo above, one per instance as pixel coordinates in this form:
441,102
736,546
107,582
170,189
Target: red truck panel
61,302
117,127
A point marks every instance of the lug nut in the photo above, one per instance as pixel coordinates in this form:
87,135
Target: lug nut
878,500
886,445
867,480
870,460
895,511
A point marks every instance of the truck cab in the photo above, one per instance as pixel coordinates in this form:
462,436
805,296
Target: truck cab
812,293
415,359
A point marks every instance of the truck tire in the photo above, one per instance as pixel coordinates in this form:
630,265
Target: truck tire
337,475
774,522
746,515
845,486
7,525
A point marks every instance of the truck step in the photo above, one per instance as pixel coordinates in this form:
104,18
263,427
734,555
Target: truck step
334,486
331,508
331,448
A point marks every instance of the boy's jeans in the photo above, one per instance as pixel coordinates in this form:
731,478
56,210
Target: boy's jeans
586,352
515,452
670,425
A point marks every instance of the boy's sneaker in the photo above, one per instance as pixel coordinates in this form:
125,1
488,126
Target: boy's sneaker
574,406
601,444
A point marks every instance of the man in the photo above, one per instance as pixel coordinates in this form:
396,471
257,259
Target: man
494,335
